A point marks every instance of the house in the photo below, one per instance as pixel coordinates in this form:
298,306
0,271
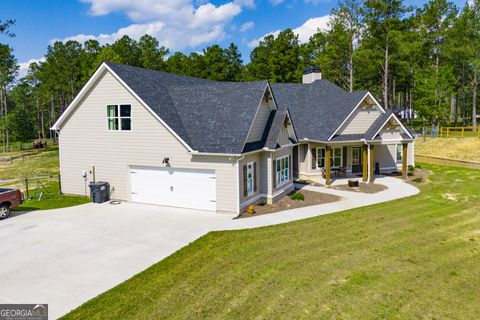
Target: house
174,140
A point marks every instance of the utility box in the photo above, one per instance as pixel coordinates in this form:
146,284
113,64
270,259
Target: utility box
99,191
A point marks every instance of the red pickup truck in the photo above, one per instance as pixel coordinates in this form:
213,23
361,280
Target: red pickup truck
9,198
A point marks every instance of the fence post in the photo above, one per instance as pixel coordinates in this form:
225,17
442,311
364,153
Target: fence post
11,160
441,132
448,132
26,188
463,131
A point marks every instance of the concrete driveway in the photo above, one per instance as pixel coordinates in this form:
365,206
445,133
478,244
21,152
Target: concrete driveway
67,256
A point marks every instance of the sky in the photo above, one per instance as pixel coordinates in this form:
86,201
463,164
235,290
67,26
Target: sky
180,25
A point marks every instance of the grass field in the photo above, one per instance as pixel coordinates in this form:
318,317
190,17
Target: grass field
415,258
43,163
453,148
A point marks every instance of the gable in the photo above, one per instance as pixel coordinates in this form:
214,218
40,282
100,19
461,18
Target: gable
362,118
287,134
87,121
260,121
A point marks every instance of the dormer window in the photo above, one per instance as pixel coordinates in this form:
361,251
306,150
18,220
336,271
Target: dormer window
119,117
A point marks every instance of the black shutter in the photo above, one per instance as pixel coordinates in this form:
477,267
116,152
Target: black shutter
254,177
245,193
344,154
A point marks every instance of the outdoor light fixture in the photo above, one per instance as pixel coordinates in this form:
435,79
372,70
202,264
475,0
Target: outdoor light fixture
166,161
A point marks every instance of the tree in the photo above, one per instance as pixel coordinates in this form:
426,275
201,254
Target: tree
235,64
8,72
383,19
152,56
5,26
347,23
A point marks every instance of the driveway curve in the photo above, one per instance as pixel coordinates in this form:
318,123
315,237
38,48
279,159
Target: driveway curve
65,257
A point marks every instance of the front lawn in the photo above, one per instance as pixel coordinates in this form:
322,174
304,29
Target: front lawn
452,148
415,258
33,164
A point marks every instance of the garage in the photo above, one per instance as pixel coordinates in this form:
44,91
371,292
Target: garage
175,187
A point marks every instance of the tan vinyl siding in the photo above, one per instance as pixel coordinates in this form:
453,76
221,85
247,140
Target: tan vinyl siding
257,158
283,138
386,156
259,123
302,158
287,151
85,142
360,121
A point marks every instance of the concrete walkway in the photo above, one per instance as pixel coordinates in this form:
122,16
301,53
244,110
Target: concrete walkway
396,189
67,256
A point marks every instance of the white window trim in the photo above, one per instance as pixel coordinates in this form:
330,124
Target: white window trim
278,174
396,154
120,118
333,157
252,191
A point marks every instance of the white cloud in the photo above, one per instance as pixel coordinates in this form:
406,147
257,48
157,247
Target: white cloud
276,2
177,24
304,32
23,67
247,26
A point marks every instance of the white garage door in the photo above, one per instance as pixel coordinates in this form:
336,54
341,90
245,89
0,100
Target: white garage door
186,188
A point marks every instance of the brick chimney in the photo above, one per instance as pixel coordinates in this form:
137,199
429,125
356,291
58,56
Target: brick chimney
311,74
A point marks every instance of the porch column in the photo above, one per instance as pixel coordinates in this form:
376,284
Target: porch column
328,153
364,163
371,161
270,177
404,161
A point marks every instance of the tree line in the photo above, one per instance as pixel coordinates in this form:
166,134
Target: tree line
422,58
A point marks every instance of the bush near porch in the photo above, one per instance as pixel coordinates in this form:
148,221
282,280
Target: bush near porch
414,258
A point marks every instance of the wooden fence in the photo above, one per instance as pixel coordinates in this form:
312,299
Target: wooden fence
456,132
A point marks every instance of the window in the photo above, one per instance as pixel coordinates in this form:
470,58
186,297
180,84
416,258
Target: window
250,179
282,168
399,153
336,158
119,117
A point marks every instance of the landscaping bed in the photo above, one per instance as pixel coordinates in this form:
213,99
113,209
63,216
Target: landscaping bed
363,188
311,198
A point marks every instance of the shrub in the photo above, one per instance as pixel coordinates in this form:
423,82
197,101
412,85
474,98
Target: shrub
297,196
418,180
411,168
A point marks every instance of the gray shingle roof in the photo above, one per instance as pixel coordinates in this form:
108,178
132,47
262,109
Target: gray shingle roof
377,124
210,116
215,117
317,109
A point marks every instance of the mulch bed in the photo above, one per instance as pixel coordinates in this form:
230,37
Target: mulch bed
363,188
311,198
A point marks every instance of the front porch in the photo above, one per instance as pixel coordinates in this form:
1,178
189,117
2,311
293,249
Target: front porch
334,164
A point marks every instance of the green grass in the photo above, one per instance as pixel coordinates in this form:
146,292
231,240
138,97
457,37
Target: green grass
43,163
415,258
50,200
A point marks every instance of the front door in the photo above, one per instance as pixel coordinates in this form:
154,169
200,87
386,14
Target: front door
356,159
